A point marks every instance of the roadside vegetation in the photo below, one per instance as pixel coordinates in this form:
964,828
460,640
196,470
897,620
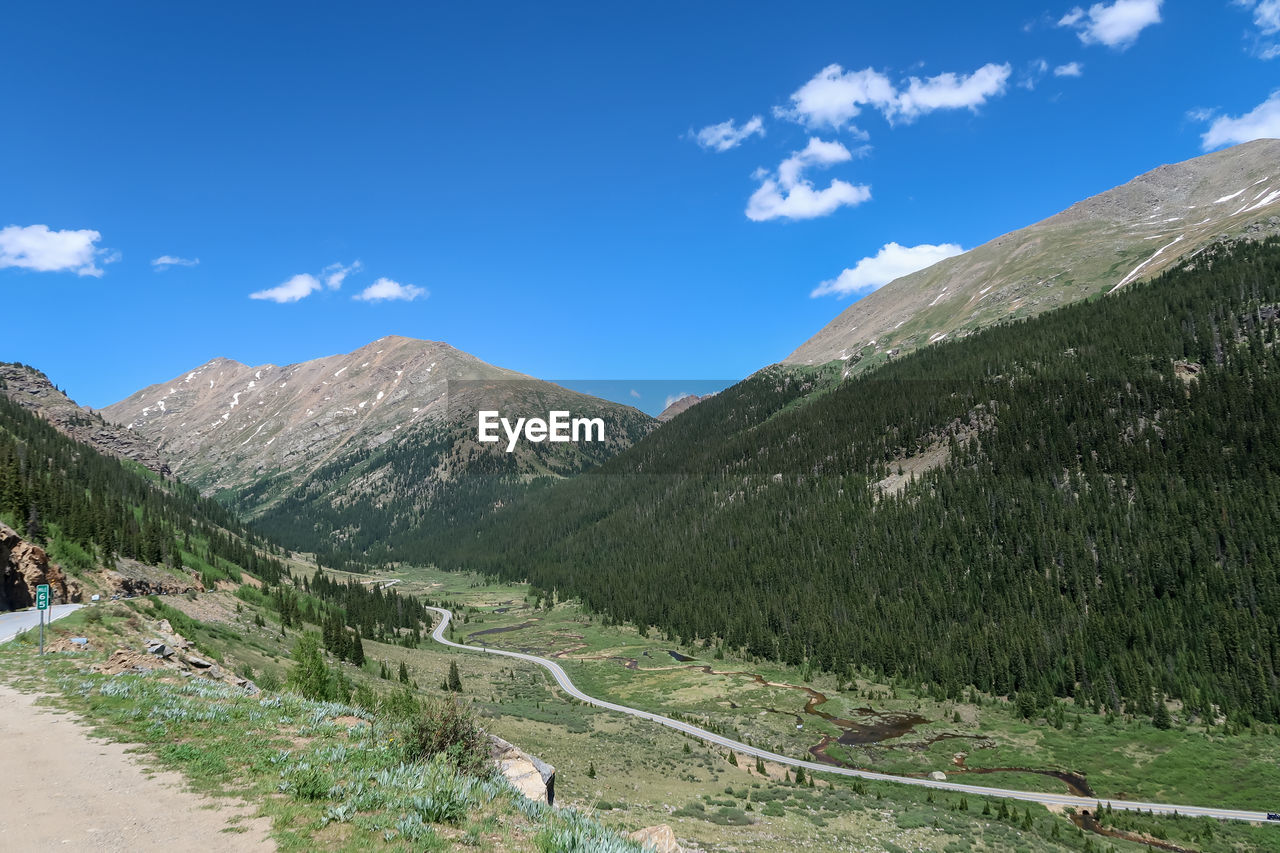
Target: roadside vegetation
400,771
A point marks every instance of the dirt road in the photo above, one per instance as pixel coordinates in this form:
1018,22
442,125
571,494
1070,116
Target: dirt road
65,790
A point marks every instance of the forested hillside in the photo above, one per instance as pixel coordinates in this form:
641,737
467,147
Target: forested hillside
1084,504
89,508
369,506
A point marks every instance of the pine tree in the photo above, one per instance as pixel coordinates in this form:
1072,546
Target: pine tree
1161,719
357,651
455,680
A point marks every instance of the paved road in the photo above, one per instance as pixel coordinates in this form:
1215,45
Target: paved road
13,624
1080,803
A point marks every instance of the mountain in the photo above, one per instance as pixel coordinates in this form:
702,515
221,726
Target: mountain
114,526
680,404
1079,505
33,391
1100,245
348,453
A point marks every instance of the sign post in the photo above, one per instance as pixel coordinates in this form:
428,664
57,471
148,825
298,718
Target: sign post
42,604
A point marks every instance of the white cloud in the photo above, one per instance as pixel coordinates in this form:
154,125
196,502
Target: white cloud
1115,25
817,153
951,91
35,247
335,274
787,194
834,96
1262,122
1266,17
725,135
298,287
1071,69
163,262
384,289
635,394
803,201
1035,70
891,262
1266,14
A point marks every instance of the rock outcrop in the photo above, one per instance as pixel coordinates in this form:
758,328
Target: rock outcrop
659,839
130,577
530,775
171,651
23,567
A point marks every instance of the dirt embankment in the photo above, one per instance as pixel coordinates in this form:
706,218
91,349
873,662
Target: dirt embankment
68,791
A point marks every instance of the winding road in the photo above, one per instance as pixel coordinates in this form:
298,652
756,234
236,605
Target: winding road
14,623
1079,803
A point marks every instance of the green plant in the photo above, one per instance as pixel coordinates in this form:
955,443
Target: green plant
445,727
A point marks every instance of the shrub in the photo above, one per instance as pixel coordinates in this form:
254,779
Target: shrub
445,727
309,675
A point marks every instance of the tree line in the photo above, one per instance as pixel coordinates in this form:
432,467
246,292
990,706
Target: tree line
1104,523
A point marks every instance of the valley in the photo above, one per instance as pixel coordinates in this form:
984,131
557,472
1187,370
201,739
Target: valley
1000,578
628,772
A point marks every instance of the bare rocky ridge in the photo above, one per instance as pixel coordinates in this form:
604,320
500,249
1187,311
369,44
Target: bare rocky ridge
1126,234
266,430
227,424
682,404
32,390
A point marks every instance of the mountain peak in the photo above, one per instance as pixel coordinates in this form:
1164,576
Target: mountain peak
232,425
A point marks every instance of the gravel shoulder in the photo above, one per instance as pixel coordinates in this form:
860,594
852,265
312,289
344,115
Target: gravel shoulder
66,790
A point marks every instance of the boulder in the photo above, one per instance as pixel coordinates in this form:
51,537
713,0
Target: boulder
938,776
530,775
659,839
23,567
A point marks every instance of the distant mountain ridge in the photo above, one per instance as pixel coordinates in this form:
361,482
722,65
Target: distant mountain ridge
351,450
33,391
1101,244
681,404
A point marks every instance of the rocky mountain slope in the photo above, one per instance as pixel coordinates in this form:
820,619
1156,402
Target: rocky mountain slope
680,404
32,390
349,448
1099,245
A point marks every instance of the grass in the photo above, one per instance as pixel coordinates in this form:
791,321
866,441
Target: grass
643,771
644,774
323,783
1123,759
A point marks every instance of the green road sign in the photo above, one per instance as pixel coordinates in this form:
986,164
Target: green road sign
42,597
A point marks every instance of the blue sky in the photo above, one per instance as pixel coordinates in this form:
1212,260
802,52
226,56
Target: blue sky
529,182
